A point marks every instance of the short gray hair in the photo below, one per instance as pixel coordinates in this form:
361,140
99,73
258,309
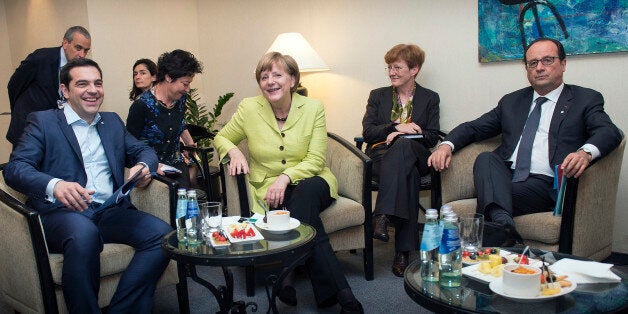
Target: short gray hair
69,34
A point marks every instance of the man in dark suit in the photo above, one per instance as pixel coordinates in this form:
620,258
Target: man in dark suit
68,162
569,129
35,84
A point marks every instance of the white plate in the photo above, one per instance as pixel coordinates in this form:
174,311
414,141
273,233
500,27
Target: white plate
258,235
218,245
264,226
496,286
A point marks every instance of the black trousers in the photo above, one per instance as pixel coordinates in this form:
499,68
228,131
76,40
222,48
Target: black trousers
493,181
400,167
306,201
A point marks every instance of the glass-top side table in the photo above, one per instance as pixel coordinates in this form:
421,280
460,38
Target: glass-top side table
474,296
292,248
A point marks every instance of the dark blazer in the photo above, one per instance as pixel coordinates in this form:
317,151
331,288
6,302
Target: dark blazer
49,149
376,123
579,118
33,87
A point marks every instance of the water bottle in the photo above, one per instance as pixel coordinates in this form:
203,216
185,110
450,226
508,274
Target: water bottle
182,210
450,253
191,222
429,246
444,210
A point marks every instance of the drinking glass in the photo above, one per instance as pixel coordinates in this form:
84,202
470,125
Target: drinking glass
211,213
471,230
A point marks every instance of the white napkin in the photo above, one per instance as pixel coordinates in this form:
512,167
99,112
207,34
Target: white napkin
585,272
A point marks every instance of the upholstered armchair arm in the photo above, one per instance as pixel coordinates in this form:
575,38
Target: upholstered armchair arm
159,198
594,208
457,181
24,261
351,167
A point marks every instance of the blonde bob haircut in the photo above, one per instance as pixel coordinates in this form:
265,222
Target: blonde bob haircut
284,61
412,54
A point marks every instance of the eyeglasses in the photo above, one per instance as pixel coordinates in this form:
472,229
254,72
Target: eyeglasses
394,68
545,61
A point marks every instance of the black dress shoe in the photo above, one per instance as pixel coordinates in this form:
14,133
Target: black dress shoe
380,228
288,295
400,263
351,307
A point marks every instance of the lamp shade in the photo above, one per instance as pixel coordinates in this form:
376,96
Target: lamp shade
295,45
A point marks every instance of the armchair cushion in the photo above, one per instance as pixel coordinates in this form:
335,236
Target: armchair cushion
343,213
540,227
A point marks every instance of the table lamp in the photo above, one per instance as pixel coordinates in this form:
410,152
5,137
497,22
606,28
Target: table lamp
295,45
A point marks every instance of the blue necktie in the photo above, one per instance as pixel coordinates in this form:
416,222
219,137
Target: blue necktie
524,155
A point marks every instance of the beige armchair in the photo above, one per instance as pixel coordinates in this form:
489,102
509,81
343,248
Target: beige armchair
30,280
348,220
585,227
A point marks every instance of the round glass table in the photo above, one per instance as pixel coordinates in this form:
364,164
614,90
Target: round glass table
290,248
475,296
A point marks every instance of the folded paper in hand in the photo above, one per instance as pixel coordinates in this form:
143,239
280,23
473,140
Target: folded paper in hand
169,169
585,271
123,191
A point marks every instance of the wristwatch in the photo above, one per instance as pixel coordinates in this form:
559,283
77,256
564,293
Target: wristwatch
588,151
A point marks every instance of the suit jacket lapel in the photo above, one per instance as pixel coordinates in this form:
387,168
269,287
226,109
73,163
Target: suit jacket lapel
69,134
105,134
54,68
560,112
298,102
266,113
521,112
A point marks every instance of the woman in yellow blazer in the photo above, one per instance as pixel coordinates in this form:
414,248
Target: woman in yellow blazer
287,141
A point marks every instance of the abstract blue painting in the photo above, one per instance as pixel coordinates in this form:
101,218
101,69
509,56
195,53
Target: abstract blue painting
583,26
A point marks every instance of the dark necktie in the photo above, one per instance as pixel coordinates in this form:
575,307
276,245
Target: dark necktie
524,155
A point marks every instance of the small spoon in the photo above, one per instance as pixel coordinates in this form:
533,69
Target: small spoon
523,254
265,211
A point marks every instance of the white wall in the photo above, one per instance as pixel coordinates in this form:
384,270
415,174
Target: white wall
229,36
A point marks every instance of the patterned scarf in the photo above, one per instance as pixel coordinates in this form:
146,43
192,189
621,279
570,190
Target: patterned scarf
400,113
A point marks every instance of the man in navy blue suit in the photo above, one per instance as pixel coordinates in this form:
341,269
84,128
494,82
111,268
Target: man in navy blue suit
34,85
68,162
571,130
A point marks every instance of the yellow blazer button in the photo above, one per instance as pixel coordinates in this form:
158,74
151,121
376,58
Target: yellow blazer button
283,161
281,147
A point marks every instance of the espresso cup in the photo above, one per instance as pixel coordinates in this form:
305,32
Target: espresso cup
278,219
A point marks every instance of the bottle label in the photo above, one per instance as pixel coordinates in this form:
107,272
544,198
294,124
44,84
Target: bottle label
182,207
450,241
431,237
192,209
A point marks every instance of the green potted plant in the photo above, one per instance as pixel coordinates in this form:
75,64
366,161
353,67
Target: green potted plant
197,115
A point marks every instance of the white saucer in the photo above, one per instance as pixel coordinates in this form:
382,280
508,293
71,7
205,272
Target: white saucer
264,226
496,286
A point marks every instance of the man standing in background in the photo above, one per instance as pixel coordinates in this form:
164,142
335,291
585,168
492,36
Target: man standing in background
34,86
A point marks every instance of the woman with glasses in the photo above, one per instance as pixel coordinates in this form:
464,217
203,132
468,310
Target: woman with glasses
287,141
156,117
144,76
395,114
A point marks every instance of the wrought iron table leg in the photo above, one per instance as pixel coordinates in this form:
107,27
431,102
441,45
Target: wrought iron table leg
275,281
223,294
